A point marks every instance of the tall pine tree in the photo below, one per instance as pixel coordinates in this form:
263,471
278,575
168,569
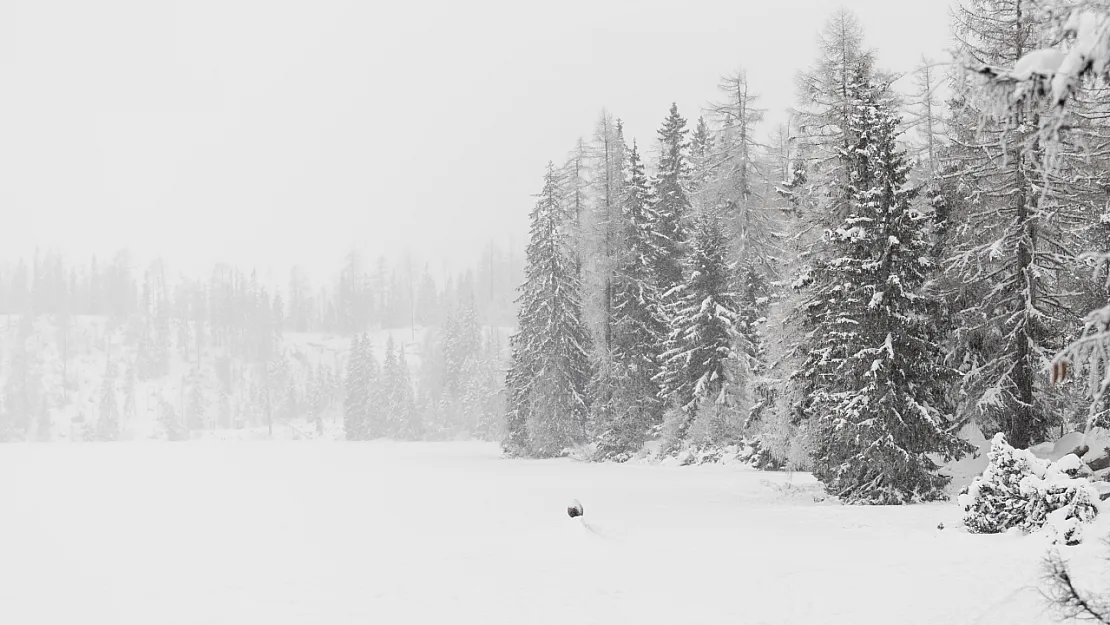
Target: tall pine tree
672,204
700,364
873,359
551,363
354,406
629,404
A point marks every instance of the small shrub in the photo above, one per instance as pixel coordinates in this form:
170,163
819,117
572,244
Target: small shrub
1018,489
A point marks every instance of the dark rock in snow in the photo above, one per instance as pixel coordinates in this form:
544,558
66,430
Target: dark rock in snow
574,509
1101,462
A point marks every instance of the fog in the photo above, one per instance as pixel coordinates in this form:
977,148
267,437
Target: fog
275,133
329,312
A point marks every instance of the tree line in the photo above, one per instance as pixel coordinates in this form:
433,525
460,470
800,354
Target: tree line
226,342
849,293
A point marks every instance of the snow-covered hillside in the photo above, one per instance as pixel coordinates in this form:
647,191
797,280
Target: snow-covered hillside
58,410
332,533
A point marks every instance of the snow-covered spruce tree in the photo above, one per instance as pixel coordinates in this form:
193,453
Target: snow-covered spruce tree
374,398
671,202
873,359
1018,489
699,360
391,393
811,172
462,340
481,399
701,155
631,406
173,425
518,386
44,424
1012,238
551,362
402,421
410,421
354,405
108,414
130,406
196,403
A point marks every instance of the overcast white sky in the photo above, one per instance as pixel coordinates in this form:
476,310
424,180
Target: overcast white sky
276,132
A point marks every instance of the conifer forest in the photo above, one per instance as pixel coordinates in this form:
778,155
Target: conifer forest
483,312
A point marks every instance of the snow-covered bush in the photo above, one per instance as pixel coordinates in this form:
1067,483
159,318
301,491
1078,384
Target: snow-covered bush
1020,490
748,451
171,425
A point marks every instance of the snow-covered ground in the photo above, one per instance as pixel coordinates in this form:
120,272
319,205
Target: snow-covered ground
325,532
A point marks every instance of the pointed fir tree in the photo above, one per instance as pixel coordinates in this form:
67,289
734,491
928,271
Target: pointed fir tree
879,384
374,404
411,424
197,401
671,201
108,415
462,341
628,403
354,404
393,396
130,405
700,359
518,388
551,363
44,424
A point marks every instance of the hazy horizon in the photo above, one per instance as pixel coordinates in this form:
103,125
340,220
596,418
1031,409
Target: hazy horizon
277,134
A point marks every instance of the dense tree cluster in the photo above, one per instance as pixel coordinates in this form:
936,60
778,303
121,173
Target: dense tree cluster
229,345
846,295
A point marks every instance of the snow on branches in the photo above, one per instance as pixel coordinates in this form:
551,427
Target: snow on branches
1020,490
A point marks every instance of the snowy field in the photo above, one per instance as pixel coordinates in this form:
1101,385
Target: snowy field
326,533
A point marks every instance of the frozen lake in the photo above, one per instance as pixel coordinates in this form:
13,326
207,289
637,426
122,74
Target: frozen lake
334,533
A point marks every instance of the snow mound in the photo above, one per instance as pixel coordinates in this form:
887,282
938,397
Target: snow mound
1018,490
1042,63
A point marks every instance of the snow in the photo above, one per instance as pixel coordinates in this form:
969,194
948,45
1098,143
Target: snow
1097,440
324,532
1038,63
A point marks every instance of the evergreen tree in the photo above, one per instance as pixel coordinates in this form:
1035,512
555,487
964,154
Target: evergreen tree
392,394
108,416
626,401
462,341
699,361
196,404
1014,235
375,406
551,365
518,388
354,405
19,386
130,403
174,427
671,202
874,361
44,424
411,425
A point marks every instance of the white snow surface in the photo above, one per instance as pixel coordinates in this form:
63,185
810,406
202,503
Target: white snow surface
319,532
1038,63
